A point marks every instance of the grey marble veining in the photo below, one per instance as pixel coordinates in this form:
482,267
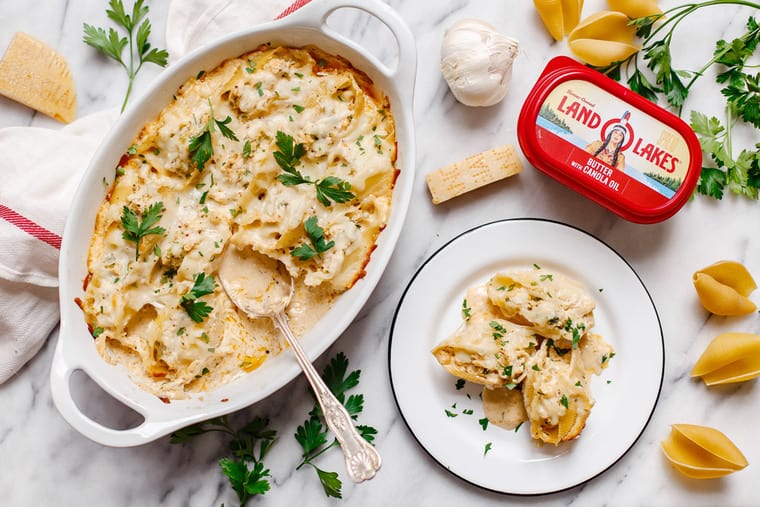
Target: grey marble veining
46,462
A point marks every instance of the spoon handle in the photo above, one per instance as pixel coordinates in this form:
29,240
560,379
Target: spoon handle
362,459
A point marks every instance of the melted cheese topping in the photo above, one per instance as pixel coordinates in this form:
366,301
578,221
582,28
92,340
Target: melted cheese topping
234,198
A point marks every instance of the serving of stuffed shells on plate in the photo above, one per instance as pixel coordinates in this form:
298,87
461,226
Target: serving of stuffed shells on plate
526,356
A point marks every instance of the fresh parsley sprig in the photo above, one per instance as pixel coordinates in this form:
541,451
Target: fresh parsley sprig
329,189
201,146
202,286
112,44
312,434
739,174
249,445
316,236
135,229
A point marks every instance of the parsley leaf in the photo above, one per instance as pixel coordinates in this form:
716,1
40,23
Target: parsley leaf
333,188
111,44
330,188
330,482
316,236
248,446
202,286
135,229
201,147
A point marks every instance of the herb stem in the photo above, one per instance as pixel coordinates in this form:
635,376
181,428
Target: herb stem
308,460
729,124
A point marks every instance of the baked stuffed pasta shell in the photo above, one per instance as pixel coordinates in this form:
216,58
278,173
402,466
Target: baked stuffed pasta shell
557,390
552,304
486,349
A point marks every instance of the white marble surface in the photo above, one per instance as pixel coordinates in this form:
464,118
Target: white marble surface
46,462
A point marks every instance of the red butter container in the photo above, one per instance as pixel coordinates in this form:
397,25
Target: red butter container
608,143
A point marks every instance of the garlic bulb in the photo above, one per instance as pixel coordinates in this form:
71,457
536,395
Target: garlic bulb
476,62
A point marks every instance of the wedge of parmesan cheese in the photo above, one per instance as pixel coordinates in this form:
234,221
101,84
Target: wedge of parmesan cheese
35,75
473,172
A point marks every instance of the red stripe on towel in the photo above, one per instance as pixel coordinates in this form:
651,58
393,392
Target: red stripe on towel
293,8
29,227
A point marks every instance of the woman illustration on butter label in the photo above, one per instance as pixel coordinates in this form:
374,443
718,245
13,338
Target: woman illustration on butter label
609,150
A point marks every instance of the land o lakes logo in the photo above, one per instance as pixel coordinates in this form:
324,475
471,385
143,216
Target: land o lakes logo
616,136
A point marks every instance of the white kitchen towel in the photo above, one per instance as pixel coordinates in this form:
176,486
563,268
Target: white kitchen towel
42,168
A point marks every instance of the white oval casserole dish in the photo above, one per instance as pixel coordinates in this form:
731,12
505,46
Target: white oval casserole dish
75,349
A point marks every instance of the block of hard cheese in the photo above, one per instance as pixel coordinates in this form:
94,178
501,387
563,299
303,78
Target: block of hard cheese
473,172
35,75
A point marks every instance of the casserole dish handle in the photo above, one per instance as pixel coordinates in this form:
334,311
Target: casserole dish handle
61,371
315,13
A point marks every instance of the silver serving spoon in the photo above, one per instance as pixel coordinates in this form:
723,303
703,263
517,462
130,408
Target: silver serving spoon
262,287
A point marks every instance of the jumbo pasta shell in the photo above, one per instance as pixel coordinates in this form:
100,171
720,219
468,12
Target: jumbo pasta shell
719,298
550,12
702,452
601,53
730,357
635,8
603,38
733,274
605,26
571,14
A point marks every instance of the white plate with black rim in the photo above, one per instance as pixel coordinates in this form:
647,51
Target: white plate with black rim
445,417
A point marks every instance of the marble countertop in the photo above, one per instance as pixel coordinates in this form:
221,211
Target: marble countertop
48,462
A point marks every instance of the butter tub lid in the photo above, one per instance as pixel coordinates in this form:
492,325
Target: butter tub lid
608,143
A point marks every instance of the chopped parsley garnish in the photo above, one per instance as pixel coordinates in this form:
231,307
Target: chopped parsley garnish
460,384
536,367
507,371
251,68
259,90
577,330
317,238
136,229
483,423
201,147
247,149
518,427
299,109
329,189
487,448
563,401
544,278
466,310
378,144
202,286
97,331
498,327
467,411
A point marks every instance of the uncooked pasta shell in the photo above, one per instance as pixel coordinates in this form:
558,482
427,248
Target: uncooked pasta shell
702,452
719,298
601,53
605,26
635,8
551,15
733,274
730,357
571,14
603,38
